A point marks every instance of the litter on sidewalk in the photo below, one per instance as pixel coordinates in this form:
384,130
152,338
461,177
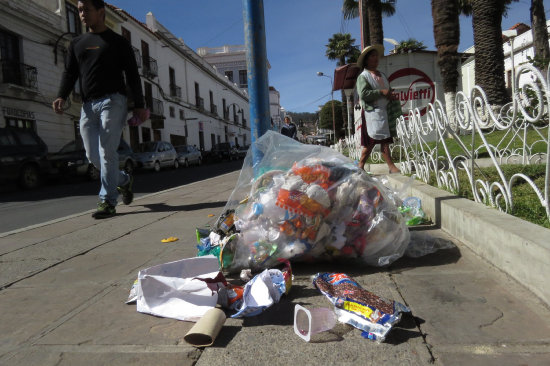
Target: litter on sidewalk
297,203
358,307
305,203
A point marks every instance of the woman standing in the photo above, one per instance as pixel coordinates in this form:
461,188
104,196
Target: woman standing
379,108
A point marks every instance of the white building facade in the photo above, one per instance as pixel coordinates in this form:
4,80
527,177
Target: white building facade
523,49
230,61
190,102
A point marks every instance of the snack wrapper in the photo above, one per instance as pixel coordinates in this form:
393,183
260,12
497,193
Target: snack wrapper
359,307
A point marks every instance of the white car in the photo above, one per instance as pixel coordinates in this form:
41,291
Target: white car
188,155
156,155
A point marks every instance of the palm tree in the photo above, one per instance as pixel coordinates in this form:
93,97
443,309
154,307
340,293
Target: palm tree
489,55
341,48
540,33
447,37
350,10
410,44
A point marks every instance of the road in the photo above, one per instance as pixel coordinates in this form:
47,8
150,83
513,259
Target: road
64,197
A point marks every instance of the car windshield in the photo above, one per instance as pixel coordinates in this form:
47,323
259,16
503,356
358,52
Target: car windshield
71,146
181,148
147,147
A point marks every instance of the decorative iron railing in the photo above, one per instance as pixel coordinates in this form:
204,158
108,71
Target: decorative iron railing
19,74
175,91
156,107
517,133
150,67
199,103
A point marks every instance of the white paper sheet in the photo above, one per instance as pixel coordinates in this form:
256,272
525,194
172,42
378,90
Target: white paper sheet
171,290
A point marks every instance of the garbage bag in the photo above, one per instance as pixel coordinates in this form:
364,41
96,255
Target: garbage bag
308,202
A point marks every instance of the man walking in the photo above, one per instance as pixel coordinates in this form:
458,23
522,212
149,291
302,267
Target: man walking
99,59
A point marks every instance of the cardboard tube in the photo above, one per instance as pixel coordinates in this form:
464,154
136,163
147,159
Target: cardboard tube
205,331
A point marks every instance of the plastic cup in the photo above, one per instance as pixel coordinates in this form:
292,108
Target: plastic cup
308,322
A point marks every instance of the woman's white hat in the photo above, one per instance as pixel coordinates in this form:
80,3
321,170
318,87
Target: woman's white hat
361,58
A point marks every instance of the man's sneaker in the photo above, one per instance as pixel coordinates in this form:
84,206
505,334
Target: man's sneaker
126,191
104,210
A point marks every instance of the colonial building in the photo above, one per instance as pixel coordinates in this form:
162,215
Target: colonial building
523,50
230,61
190,102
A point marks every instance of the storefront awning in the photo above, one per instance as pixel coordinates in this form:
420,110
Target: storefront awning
345,76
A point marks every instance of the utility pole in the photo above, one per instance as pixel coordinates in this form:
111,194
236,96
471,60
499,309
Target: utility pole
256,64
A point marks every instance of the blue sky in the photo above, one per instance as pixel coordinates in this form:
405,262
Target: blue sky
296,34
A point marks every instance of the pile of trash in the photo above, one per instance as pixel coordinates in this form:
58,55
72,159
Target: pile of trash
304,203
292,202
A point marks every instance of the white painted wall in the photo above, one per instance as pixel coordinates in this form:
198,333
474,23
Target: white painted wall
38,25
523,49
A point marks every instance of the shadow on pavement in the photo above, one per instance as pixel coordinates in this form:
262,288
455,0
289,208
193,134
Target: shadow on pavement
439,258
162,207
226,336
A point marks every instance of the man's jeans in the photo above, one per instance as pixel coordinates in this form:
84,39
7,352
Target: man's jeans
101,124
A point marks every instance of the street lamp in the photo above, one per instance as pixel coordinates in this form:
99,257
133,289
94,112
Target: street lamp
319,73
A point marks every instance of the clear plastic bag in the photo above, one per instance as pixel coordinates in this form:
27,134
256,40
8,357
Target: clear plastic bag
308,202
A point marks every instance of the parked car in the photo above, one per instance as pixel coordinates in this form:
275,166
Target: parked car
241,151
22,157
72,160
224,150
188,155
156,155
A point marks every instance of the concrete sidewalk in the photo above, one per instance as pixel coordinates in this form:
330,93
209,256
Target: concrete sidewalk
63,288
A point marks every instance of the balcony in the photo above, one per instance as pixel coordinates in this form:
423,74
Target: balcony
199,102
156,107
137,55
214,109
150,68
19,74
175,91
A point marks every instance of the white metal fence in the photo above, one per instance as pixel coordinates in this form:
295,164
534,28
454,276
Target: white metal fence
524,126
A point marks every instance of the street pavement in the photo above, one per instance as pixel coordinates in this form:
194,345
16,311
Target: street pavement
63,288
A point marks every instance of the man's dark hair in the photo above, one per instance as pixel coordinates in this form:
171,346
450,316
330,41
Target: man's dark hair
97,4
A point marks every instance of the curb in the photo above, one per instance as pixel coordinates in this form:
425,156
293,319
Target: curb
515,246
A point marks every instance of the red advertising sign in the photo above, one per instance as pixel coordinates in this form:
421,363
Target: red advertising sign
420,91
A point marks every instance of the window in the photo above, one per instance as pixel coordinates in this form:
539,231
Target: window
126,34
146,134
73,20
171,76
229,75
21,123
9,59
182,117
172,111
242,78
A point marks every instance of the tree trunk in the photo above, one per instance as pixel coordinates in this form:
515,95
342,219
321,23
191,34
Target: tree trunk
364,17
447,38
540,32
489,55
375,22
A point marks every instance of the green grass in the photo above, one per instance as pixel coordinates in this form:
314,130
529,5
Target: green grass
527,205
493,139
